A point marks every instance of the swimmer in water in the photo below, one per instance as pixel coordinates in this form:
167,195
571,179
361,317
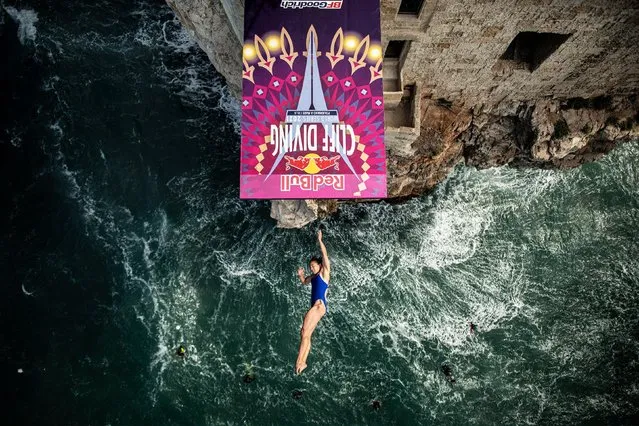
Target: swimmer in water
181,351
448,373
249,375
473,328
320,275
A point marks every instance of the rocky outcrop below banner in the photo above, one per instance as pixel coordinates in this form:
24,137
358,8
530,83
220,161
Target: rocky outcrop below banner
543,132
297,213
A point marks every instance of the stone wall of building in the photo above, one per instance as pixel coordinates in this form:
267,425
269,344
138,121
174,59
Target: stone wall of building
456,47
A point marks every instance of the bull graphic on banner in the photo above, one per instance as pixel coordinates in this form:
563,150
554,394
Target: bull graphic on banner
312,120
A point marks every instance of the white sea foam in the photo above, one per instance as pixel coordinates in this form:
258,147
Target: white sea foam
27,293
231,106
15,138
194,81
26,20
176,36
453,236
57,129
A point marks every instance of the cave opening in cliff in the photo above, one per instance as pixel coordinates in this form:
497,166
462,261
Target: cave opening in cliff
531,49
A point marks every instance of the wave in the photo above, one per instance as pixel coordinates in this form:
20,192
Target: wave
26,20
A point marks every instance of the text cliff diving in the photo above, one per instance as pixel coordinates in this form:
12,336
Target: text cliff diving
287,138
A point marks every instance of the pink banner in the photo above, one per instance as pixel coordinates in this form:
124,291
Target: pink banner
312,104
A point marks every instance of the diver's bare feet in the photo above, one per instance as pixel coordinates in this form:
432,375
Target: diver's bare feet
299,368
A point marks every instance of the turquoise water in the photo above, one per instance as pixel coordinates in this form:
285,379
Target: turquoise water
126,238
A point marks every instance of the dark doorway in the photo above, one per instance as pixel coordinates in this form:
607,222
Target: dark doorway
394,49
410,7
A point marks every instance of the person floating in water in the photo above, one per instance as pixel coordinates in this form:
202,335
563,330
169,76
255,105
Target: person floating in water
181,351
448,373
473,328
249,375
321,271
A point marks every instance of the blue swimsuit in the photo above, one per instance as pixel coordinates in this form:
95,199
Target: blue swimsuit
318,290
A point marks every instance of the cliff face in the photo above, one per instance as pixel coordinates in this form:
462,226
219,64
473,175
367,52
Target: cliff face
551,133
469,100
545,134
217,26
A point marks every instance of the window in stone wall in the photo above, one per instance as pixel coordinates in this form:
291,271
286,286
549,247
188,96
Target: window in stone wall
394,49
394,57
410,7
530,49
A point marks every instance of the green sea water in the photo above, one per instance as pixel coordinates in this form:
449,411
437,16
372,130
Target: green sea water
125,238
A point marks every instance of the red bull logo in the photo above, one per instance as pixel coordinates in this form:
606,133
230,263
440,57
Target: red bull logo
300,163
311,183
312,163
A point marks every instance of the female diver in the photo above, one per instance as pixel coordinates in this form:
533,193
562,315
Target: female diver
321,272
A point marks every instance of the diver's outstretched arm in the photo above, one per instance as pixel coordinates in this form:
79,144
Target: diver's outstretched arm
326,264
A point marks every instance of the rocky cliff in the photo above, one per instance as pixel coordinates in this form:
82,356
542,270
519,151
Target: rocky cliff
538,130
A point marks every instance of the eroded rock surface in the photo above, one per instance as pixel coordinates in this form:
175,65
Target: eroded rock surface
298,213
